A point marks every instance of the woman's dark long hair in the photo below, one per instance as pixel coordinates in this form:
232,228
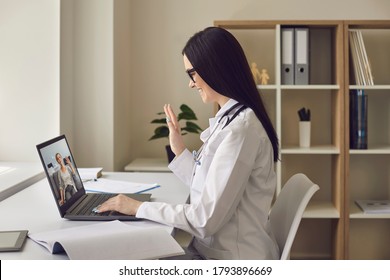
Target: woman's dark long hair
219,59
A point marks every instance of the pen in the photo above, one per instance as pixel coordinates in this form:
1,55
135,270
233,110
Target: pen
304,115
145,190
89,180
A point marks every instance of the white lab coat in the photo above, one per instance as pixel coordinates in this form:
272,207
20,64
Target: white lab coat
231,191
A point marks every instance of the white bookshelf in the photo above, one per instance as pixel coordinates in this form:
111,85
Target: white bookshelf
325,149
368,169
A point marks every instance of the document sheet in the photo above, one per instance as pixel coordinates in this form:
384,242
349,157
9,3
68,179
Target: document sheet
110,241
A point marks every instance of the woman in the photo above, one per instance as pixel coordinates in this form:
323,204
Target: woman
232,176
65,178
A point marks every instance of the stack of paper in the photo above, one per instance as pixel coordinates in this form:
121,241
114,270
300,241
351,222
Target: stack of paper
361,64
90,173
374,206
110,241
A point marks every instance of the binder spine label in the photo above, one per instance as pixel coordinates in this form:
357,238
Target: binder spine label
287,51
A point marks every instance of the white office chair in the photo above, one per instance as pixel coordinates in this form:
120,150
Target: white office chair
287,211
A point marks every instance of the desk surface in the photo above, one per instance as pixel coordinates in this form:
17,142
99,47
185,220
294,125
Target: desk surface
15,176
34,209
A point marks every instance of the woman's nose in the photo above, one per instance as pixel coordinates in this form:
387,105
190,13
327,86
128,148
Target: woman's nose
191,84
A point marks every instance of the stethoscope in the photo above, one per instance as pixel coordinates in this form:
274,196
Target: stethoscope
197,155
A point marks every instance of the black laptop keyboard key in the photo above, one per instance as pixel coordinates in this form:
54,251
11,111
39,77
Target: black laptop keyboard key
92,203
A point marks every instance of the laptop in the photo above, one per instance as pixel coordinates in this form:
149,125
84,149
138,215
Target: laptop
67,187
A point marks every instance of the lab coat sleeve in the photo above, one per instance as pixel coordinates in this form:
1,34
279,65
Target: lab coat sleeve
182,166
227,177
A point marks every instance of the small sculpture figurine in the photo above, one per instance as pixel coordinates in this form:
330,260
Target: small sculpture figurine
255,72
264,77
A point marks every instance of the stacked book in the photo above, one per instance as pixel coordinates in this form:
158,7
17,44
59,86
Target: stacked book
361,64
357,98
357,119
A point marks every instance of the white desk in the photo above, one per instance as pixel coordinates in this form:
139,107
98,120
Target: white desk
15,176
148,165
34,209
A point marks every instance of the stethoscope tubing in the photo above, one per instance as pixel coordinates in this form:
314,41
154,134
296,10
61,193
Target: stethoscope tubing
197,155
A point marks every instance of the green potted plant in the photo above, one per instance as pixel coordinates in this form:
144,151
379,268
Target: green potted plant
162,131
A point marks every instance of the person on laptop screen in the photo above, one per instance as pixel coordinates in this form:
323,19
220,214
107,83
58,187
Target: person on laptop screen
231,177
66,184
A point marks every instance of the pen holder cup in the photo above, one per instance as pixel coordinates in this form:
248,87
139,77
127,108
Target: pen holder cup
304,134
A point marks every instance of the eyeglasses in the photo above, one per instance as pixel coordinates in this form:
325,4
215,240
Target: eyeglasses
190,73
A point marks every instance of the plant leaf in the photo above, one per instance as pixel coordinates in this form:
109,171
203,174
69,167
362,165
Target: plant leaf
160,132
186,109
193,125
192,128
186,116
186,113
159,120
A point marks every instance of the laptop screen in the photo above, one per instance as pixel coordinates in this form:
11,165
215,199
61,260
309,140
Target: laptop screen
61,172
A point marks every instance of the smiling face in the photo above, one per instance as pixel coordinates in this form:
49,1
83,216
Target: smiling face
59,158
207,94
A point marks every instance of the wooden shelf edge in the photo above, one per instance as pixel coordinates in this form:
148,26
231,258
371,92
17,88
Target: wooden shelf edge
321,210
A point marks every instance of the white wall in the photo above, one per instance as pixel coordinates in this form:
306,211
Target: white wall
29,76
87,80
93,82
122,86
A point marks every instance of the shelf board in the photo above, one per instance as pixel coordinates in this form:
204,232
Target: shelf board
370,87
266,87
321,210
310,87
357,213
309,256
373,150
302,87
325,149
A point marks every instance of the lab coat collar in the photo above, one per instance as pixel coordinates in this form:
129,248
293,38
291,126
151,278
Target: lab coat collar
225,107
213,121
222,111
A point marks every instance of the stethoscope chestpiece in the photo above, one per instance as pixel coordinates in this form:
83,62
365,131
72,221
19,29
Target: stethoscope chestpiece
195,156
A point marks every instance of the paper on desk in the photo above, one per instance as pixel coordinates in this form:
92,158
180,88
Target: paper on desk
110,241
113,186
90,173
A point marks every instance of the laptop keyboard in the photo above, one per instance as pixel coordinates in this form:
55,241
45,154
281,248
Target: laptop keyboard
92,203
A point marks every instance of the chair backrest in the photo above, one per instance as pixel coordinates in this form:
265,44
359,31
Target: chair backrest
287,211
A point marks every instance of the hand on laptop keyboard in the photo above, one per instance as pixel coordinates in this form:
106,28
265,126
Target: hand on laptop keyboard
96,209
